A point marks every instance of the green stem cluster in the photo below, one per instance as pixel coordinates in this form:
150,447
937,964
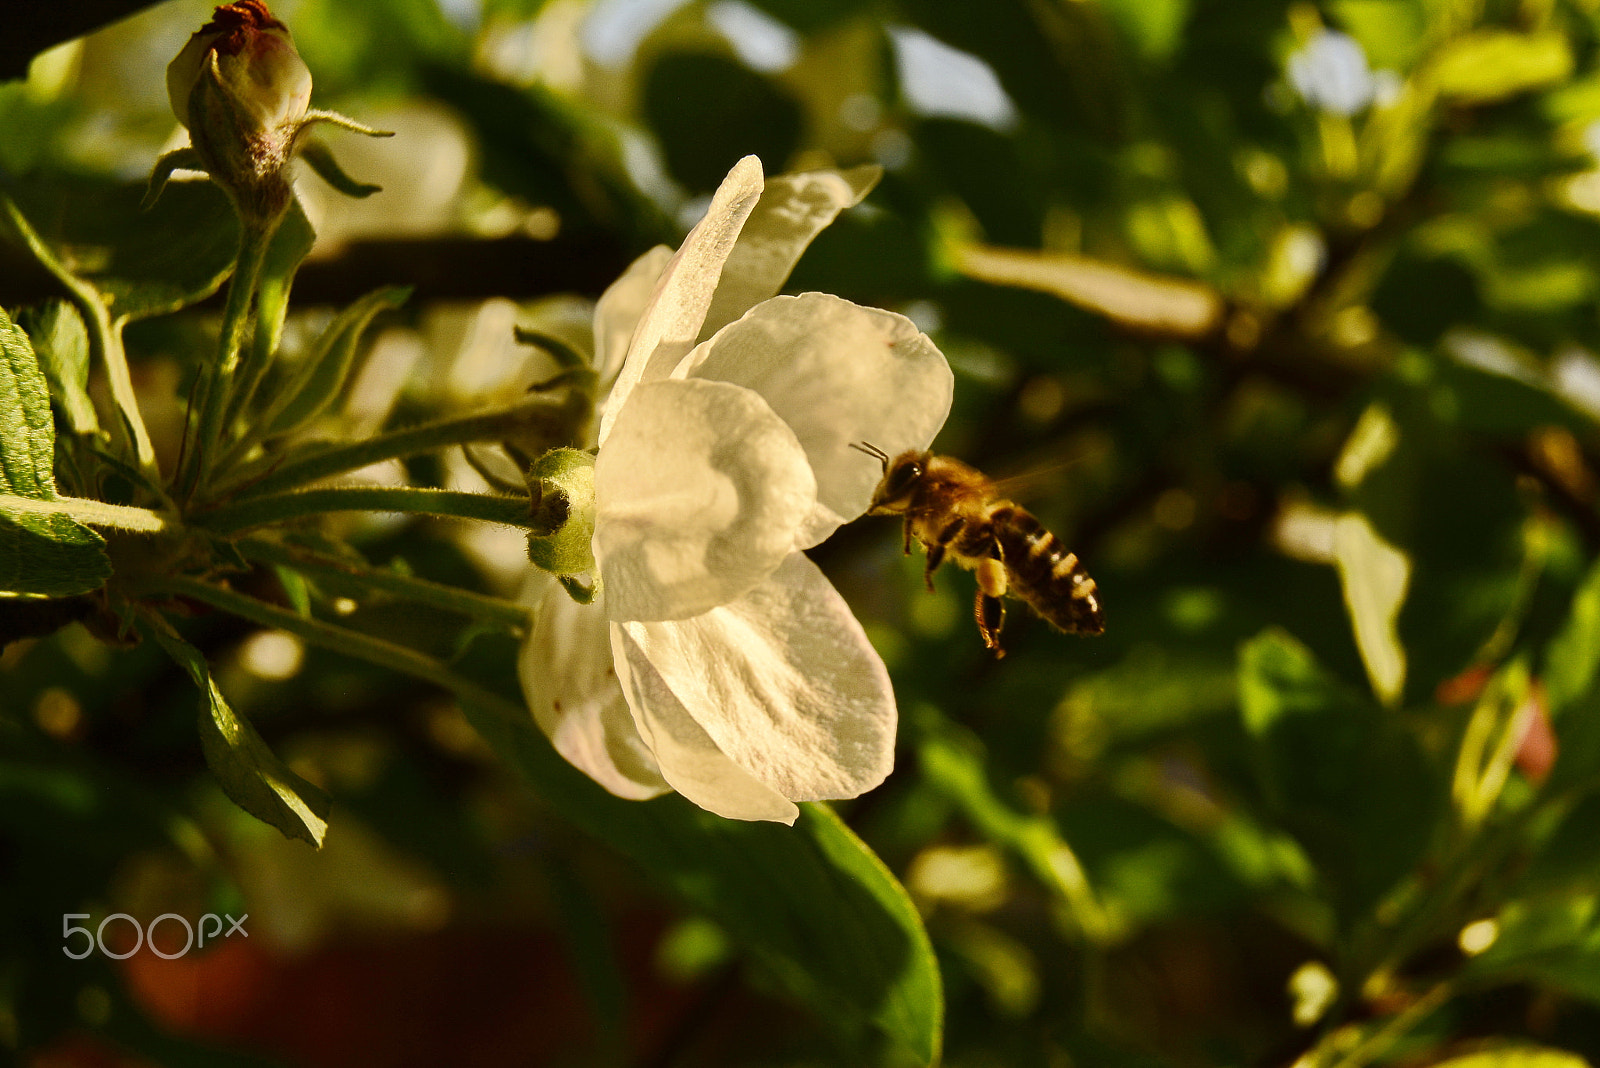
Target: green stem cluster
342,640
283,507
213,390
477,606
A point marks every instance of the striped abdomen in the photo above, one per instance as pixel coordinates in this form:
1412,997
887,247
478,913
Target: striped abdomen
1044,574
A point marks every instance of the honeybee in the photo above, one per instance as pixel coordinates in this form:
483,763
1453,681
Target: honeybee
952,508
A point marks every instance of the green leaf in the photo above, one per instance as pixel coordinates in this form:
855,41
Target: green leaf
1555,941
142,263
954,767
1374,575
1343,777
1390,33
321,375
248,771
1516,1057
1491,65
48,554
61,342
1489,743
1573,654
1154,27
811,902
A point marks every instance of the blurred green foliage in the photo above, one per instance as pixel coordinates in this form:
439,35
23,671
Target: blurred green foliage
1343,727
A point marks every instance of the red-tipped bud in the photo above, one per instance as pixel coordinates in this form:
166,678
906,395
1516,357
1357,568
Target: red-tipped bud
242,90
257,61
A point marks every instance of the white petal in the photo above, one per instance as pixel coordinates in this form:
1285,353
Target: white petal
699,494
793,209
672,320
690,760
572,689
784,682
836,373
620,307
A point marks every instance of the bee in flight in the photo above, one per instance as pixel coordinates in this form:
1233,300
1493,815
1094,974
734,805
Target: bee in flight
952,508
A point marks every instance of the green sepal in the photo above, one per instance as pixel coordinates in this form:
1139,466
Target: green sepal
577,590
564,354
319,159
183,159
565,478
322,373
344,122
290,244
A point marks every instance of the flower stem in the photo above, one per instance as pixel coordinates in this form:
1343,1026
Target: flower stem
494,610
211,398
342,640
531,418
93,513
281,507
1379,1042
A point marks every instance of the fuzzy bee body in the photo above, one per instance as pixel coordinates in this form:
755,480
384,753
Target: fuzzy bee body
956,512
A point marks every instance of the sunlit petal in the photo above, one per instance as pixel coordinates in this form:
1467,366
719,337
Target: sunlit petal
836,373
572,689
699,494
620,307
784,682
672,320
793,209
690,761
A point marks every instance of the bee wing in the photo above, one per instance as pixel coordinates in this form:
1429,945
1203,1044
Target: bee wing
1036,481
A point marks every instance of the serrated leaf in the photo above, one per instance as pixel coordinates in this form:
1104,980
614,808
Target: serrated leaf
49,555
247,769
61,342
321,375
811,902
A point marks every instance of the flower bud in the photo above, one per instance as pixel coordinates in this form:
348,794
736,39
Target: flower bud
243,91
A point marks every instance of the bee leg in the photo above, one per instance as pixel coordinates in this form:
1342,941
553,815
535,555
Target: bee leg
991,615
989,609
906,529
935,558
937,546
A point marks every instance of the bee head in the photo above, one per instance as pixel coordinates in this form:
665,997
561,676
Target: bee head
900,478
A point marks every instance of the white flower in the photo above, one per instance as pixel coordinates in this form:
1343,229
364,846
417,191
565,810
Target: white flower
1330,72
718,661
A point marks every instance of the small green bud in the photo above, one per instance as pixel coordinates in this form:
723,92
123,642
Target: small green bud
564,478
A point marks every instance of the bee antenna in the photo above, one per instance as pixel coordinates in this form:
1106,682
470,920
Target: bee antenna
872,451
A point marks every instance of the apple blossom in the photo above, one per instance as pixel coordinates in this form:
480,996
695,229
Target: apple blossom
716,660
